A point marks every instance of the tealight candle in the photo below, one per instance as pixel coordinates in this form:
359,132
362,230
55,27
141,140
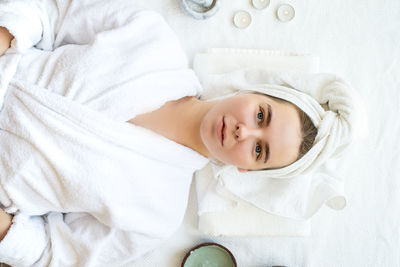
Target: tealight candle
285,13
242,19
260,4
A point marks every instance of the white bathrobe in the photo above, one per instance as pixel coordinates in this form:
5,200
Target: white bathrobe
87,188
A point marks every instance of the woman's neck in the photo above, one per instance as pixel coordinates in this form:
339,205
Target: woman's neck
178,121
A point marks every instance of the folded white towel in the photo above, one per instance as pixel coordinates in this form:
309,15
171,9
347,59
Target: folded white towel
242,218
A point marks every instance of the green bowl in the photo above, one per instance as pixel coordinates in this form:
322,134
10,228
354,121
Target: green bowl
209,255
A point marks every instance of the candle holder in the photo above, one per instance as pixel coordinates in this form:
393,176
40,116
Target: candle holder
200,9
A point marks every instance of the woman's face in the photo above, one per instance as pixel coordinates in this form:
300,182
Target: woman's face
252,132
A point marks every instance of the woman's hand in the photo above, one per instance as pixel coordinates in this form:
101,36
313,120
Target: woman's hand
5,223
5,40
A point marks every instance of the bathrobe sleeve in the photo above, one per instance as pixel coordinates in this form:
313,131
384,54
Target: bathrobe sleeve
72,239
48,24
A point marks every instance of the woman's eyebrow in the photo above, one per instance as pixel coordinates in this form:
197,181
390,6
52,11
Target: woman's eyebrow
266,153
269,116
268,120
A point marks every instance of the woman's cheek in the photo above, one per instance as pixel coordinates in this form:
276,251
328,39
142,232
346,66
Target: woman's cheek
240,156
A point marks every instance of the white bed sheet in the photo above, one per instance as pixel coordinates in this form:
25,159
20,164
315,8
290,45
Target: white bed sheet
359,40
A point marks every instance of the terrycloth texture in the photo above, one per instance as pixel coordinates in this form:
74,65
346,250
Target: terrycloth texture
293,191
242,219
68,153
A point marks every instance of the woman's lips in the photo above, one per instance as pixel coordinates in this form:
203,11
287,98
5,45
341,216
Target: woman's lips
221,128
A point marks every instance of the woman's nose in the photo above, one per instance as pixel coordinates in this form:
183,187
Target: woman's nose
242,132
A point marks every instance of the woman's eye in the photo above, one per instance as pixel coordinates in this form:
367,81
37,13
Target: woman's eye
258,151
260,115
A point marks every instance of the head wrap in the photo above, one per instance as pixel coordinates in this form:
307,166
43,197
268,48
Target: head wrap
298,190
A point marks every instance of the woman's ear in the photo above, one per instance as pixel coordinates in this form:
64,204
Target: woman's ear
242,170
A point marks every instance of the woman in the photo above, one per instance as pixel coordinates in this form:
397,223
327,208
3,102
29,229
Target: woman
101,131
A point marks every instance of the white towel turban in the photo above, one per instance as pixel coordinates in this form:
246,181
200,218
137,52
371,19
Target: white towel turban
293,191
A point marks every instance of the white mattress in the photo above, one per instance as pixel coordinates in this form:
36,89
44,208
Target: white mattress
358,40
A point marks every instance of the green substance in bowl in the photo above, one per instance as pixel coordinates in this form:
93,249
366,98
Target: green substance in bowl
209,256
